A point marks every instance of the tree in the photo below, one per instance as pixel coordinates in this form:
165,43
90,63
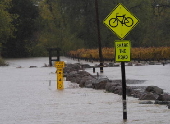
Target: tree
25,28
71,24
6,27
54,30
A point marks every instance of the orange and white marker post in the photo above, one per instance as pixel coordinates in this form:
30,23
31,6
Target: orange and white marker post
60,65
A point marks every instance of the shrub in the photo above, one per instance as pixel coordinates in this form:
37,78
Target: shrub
2,62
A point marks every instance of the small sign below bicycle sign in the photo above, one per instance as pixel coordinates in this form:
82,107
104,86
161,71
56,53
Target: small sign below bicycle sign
122,51
121,21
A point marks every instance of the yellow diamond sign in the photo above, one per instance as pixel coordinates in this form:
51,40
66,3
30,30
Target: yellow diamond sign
121,21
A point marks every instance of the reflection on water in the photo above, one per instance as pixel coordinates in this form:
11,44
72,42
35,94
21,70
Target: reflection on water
27,98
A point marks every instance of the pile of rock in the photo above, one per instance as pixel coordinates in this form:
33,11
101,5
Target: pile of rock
76,74
84,79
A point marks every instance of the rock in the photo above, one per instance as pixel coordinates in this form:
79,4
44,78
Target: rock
145,102
129,91
71,75
84,73
85,66
33,66
114,87
88,83
118,90
110,86
162,102
100,83
136,94
78,79
160,97
163,98
82,81
158,63
148,96
105,65
116,64
129,64
168,106
111,64
72,67
18,67
166,97
139,64
151,63
78,76
154,89
85,81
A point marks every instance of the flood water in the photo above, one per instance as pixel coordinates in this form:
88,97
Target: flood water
28,97
156,75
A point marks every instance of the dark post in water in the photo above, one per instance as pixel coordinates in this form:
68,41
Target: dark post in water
99,40
50,50
124,91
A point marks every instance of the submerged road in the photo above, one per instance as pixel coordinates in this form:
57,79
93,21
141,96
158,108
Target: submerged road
27,97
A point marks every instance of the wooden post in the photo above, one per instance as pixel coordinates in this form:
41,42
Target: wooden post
93,69
50,58
50,50
58,55
99,39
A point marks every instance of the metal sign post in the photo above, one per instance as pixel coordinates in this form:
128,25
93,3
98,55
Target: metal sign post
124,90
122,50
120,21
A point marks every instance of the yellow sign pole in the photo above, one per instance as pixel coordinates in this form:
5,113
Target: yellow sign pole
60,78
60,65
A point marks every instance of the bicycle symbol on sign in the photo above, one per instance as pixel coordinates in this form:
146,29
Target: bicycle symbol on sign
128,21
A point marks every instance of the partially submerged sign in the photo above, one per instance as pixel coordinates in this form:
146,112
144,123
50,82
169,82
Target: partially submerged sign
122,50
59,64
60,78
